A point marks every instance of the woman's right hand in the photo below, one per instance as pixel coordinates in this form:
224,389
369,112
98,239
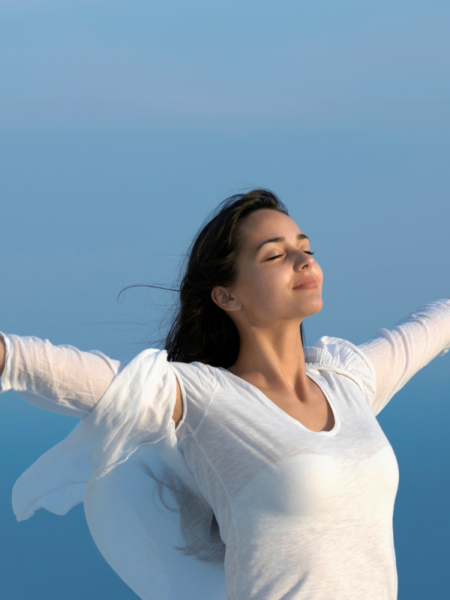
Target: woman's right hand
2,354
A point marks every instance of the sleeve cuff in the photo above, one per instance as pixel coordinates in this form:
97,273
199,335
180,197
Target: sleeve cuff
5,378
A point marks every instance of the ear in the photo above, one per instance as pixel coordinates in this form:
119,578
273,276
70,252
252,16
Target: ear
225,299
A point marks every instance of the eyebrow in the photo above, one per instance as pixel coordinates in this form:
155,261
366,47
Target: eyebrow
300,236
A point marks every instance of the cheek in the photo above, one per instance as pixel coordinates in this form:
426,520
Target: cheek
260,286
256,287
248,285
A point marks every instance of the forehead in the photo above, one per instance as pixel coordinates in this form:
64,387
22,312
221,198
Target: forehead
266,223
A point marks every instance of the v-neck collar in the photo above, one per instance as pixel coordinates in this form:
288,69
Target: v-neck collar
267,401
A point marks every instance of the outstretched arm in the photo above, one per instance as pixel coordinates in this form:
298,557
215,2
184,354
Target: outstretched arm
397,354
60,379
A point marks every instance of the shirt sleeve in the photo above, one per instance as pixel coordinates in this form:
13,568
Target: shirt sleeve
135,410
397,354
60,379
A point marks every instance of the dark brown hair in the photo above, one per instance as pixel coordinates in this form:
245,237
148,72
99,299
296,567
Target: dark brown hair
201,331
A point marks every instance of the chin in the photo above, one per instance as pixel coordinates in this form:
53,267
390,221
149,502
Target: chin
316,306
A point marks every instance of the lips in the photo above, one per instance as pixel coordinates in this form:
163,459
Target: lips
305,281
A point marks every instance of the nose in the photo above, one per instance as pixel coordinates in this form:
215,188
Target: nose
303,260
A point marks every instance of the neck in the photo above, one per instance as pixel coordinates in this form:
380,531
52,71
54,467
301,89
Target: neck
273,356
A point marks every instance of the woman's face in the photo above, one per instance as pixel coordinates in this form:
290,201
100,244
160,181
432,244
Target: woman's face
278,279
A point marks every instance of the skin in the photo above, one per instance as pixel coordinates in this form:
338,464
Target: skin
268,311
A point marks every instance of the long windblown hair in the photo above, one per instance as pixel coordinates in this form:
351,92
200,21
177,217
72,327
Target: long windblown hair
203,332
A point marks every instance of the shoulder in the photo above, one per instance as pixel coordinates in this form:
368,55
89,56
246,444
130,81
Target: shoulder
196,378
196,383
343,357
154,361
186,383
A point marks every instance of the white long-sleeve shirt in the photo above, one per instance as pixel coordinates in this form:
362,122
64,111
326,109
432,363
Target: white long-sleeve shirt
303,514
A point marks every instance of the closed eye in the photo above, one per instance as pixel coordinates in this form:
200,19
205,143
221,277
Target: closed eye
279,255
273,257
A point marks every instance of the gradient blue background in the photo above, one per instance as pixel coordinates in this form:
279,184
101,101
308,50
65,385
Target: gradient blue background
123,124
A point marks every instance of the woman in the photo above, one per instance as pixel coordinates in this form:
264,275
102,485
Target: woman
271,450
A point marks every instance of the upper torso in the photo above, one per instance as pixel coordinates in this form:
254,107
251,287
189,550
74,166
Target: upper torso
303,514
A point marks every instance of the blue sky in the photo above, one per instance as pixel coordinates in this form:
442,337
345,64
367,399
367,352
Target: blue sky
122,125
141,64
